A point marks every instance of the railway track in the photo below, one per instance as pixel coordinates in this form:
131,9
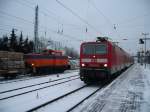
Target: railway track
70,94
56,99
101,102
73,107
36,84
23,78
20,79
28,89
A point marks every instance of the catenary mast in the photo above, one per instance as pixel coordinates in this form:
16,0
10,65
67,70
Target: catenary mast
36,22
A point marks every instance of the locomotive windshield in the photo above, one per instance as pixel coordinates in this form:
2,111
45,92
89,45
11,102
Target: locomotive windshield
89,49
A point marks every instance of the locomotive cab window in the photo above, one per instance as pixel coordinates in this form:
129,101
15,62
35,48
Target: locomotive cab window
88,49
94,49
100,49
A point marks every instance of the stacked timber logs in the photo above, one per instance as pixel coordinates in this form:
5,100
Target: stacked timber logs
11,63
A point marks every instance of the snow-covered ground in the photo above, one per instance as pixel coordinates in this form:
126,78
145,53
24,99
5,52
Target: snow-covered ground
29,77
14,85
130,92
35,88
68,102
27,101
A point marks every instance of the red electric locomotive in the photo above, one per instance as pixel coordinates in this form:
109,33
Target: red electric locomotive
48,61
101,59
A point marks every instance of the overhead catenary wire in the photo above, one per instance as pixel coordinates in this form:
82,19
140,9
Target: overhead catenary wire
29,2
24,4
45,14
45,11
16,26
41,11
4,30
133,19
48,13
101,13
76,15
27,21
113,26
67,36
31,22
10,15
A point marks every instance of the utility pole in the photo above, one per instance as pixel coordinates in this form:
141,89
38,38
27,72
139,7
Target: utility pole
36,41
145,34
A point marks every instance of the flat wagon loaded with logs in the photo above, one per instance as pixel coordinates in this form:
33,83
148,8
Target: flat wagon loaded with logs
11,64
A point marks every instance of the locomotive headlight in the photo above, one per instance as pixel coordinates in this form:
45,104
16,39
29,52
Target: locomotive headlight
83,65
32,64
105,65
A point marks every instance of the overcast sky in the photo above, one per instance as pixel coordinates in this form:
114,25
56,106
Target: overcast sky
131,18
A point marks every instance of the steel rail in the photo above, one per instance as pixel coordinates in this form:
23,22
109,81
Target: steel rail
83,100
36,84
37,89
58,98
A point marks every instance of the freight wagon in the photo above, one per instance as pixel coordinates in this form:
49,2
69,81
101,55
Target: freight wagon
11,64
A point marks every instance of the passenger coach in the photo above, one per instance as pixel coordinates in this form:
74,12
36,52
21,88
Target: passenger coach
102,59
